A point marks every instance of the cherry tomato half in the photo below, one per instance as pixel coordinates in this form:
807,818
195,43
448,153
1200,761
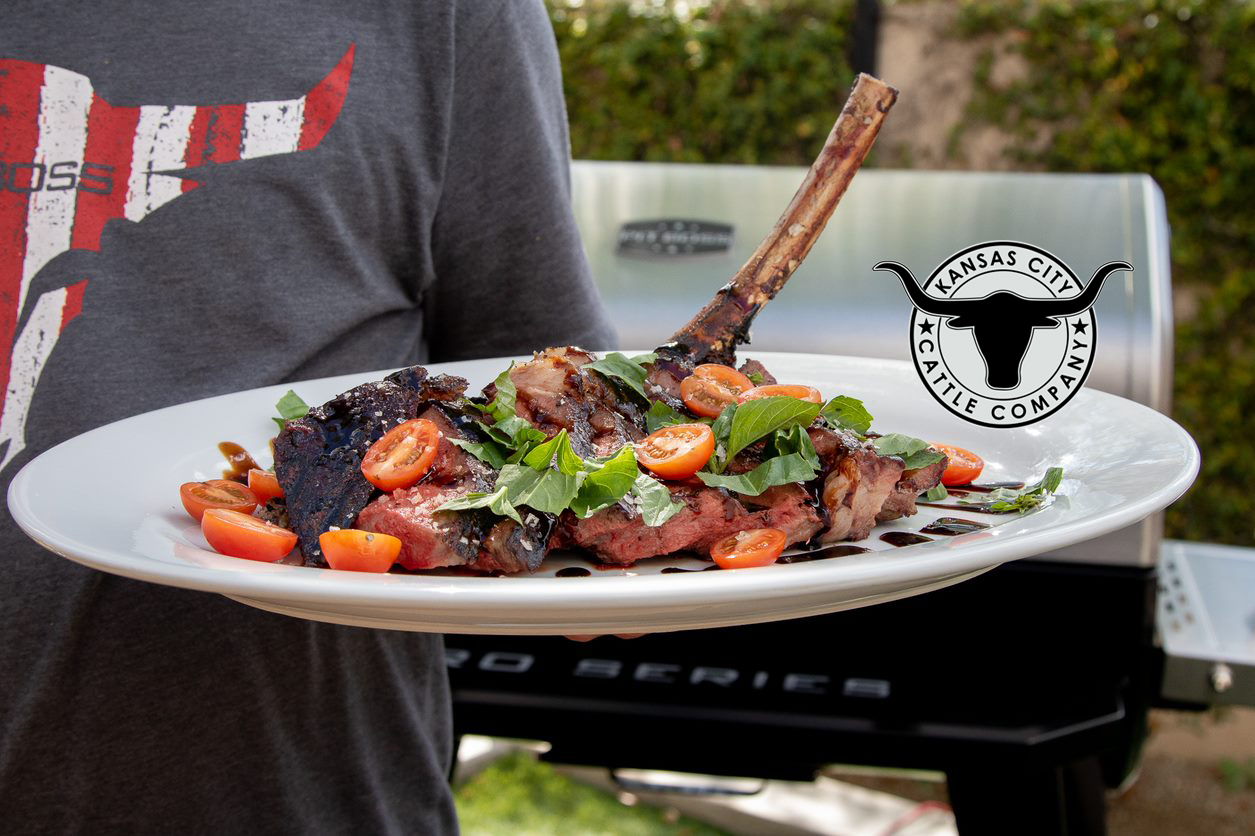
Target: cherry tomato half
359,551
243,535
963,468
677,452
403,455
711,387
199,497
756,547
264,485
790,390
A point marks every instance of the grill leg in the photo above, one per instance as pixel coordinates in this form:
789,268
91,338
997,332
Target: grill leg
1068,800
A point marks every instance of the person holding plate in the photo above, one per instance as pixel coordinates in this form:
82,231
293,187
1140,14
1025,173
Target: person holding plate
214,199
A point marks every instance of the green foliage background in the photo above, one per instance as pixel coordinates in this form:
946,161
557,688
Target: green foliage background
1166,87
730,82
520,796
1159,86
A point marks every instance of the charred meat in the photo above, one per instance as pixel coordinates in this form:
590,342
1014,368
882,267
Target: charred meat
901,500
432,539
555,392
318,458
619,535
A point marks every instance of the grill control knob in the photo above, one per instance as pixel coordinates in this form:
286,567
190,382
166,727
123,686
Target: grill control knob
1221,677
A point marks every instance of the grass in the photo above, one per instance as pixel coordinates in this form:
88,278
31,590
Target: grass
521,796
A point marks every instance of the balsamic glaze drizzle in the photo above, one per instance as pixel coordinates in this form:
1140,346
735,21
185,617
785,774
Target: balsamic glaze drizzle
823,553
904,538
988,487
953,526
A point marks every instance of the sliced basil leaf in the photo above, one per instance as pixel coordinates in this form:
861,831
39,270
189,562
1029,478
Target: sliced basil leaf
1050,482
644,359
797,440
555,453
722,428
897,444
514,432
923,459
1008,500
489,452
654,500
503,405
661,415
496,502
758,418
606,483
549,491
619,367
756,378
780,470
846,413
290,407
914,452
936,493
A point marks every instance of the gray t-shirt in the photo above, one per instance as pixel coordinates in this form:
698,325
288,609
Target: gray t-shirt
362,186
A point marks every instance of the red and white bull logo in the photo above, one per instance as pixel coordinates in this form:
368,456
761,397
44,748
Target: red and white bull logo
70,162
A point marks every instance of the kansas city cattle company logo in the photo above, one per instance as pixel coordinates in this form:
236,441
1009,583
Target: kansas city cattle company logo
1003,333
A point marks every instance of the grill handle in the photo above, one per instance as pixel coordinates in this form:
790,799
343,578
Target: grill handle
636,785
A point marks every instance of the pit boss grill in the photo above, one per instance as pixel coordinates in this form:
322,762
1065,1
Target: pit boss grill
1028,686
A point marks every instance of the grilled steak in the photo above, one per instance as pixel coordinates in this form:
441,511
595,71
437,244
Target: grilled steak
429,540
675,362
618,535
556,392
901,501
475,539
511,548
857,482
318,458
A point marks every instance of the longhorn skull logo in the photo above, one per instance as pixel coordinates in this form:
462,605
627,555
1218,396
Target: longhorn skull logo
1003,322
1002,310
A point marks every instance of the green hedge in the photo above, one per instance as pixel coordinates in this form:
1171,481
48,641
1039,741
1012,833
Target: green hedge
733,82
1160,86
1166,87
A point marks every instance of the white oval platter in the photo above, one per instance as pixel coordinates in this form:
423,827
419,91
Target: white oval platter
1122,462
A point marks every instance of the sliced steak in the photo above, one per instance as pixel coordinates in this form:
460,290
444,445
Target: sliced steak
511,548
556,392
475,539
618,535
318,458
453,465
789,508
856,484
429,539
901,501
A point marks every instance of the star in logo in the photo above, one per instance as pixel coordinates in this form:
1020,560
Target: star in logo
925,327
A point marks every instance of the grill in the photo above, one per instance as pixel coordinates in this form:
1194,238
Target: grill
1028,686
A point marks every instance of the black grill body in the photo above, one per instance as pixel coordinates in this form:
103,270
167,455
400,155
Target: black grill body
1016,684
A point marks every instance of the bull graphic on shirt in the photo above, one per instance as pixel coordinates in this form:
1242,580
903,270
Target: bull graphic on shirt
70,162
